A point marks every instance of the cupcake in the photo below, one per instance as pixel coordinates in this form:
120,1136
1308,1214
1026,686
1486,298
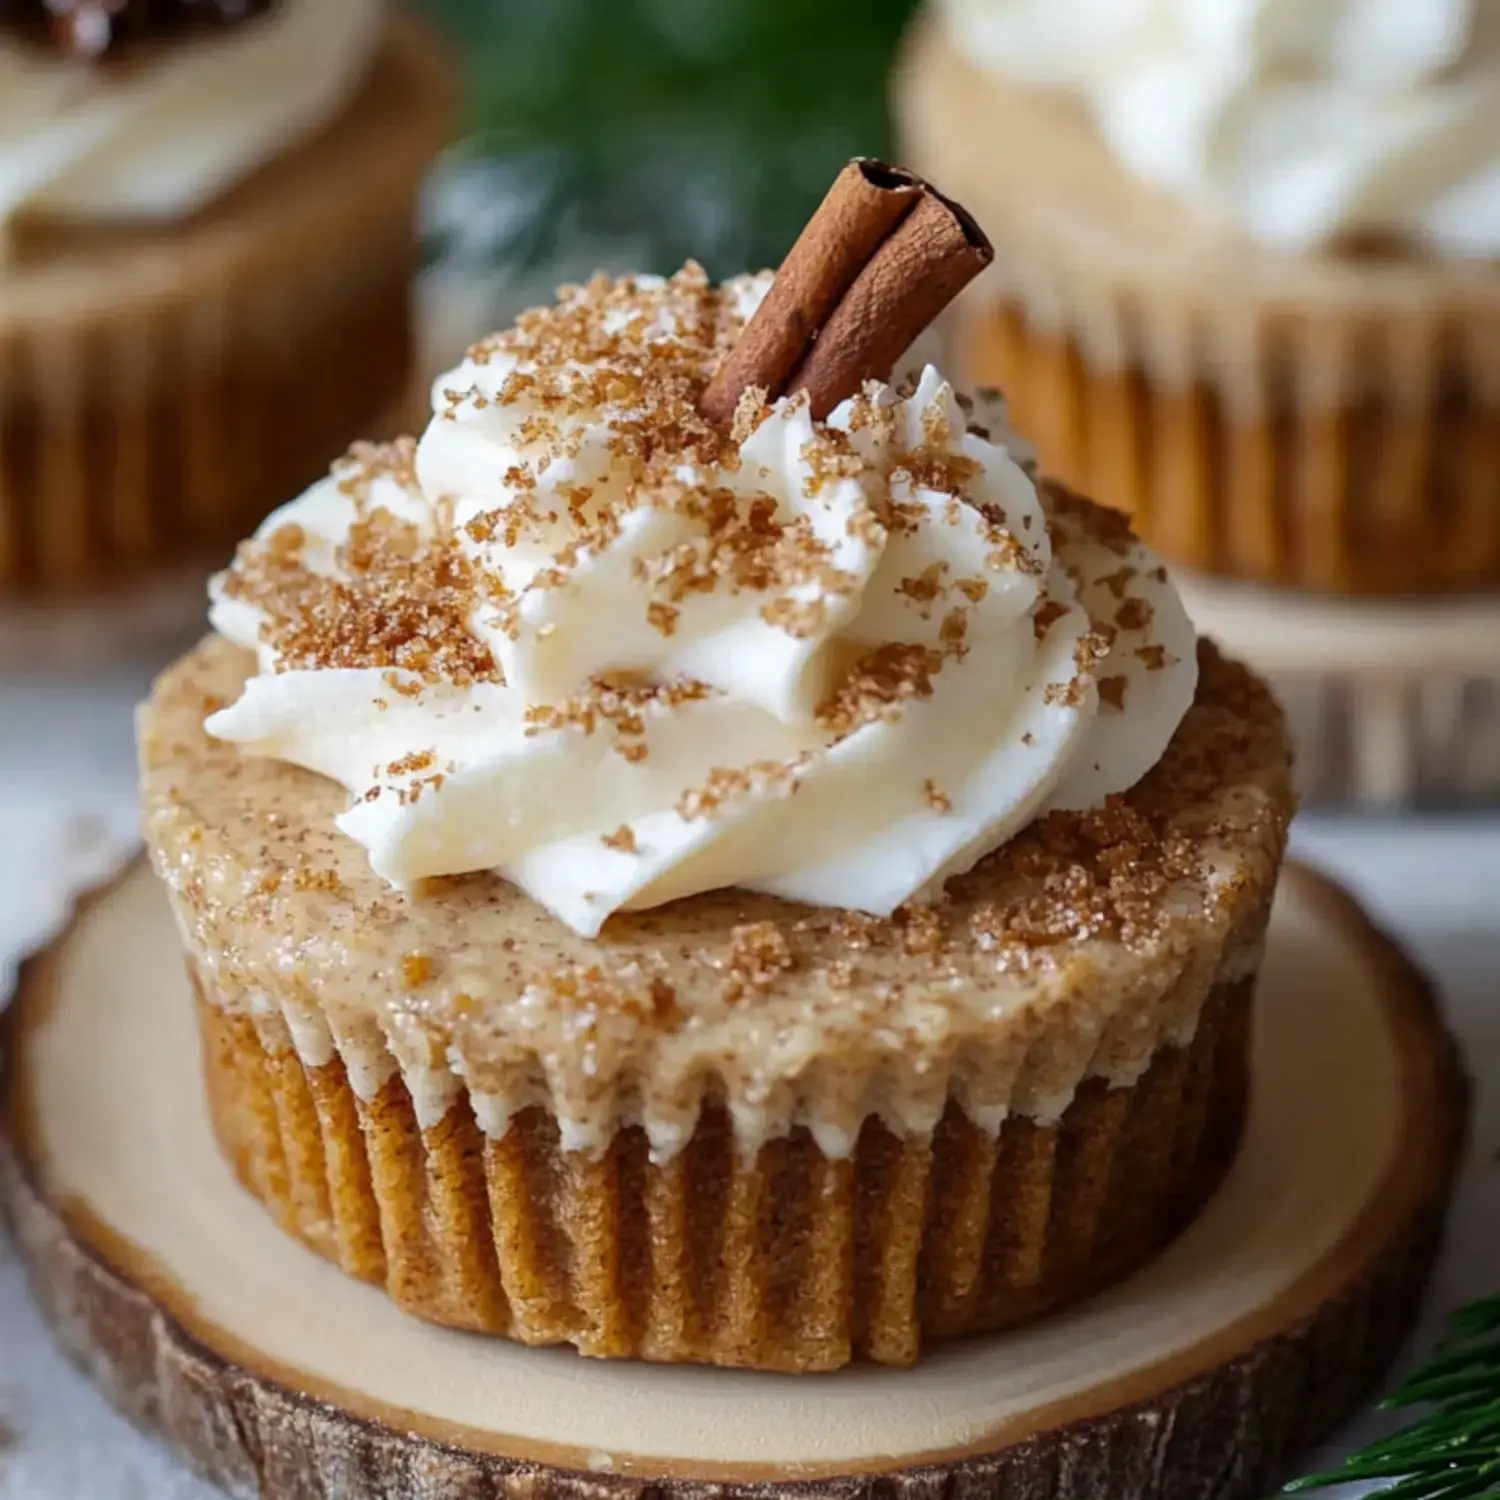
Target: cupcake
206,248
764,892
1245,281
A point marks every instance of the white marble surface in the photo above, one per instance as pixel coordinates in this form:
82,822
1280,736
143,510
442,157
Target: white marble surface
66,806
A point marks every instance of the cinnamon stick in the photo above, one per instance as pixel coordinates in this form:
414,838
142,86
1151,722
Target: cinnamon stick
867,201
931,256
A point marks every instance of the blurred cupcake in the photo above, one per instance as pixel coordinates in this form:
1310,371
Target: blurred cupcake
766,892
206,249
1246,280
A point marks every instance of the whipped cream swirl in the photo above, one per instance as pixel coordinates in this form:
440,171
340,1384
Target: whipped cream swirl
1300,120
578,637
160,136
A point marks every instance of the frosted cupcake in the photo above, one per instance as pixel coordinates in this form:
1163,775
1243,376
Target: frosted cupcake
1246,280
763,893
206,246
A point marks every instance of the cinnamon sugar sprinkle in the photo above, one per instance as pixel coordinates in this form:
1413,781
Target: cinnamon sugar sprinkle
636,358
402,602
728,784
758,956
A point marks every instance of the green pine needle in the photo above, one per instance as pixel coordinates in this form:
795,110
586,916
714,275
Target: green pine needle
657,130
1452,1453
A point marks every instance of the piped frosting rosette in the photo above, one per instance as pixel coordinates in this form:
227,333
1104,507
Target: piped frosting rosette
579,636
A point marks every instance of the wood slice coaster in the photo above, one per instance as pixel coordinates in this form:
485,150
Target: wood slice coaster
1392,702
1204,1376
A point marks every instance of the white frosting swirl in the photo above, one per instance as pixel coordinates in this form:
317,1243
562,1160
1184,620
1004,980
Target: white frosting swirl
839,664
158,138
1300,120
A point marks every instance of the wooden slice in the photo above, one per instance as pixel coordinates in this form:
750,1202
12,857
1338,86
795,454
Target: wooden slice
1204,1376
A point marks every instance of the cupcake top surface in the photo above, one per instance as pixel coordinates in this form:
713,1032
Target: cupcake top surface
179,119
1077,948
1301,122
584,638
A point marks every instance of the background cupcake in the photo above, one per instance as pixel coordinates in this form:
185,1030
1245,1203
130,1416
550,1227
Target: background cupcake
207,221
1246,281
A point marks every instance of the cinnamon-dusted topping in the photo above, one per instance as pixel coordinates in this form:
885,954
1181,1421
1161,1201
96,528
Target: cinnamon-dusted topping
402,603
366,464
1112,691
619,707
759,955
617,347
1070,694
728,784
622,840
928,586
937,800
663,617
923,928
878,683
587,493
1045,615
409,765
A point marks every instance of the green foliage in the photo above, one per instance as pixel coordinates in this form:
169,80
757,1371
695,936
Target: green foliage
1453,1451
702,128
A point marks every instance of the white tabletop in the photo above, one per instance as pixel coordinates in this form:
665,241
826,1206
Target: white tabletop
66,810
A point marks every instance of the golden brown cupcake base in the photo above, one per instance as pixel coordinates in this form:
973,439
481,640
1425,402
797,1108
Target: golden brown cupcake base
793,1261
161,391
401,1071
1367,499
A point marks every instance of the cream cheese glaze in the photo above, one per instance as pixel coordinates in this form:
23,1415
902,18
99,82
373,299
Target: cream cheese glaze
1298,120
836,663
161,137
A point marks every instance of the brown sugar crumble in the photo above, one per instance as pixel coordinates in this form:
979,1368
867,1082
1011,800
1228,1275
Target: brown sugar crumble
923,927
1112,691
622,840
759,955
619,708
938,801
877,685
417,969
1046,614
725,785
402,604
